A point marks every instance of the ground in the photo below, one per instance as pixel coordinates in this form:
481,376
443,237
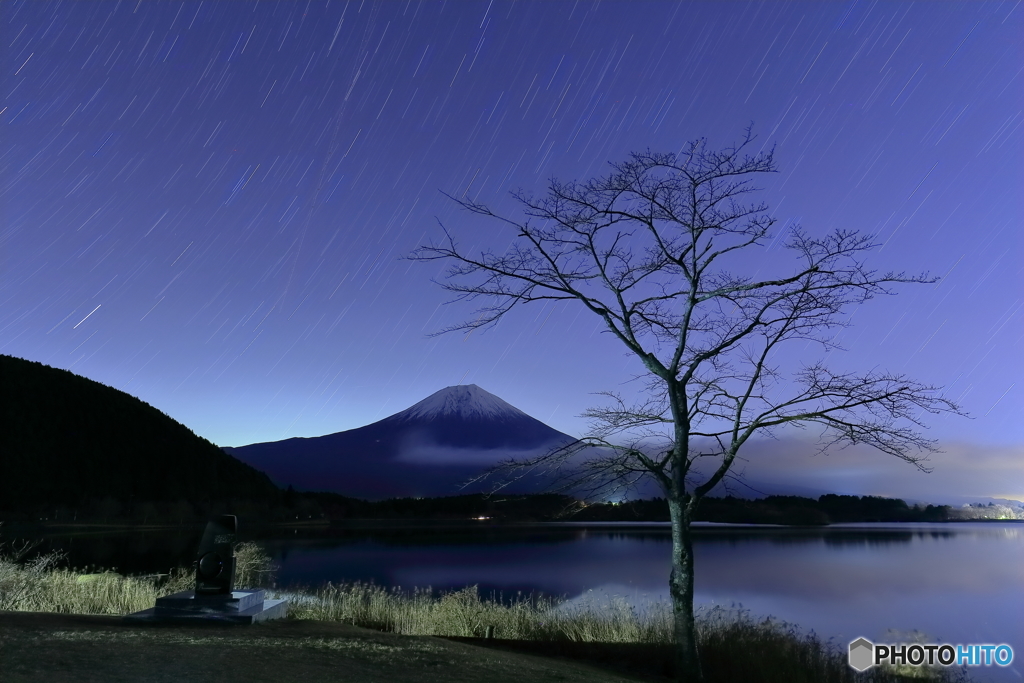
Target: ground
60,647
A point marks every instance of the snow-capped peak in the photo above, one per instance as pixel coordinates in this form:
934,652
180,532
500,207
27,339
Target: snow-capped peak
465,401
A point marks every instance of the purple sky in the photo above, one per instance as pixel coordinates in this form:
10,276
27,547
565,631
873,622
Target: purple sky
204,204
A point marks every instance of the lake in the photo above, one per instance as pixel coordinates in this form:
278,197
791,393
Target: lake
956,583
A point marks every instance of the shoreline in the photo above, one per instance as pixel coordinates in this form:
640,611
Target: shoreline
427,523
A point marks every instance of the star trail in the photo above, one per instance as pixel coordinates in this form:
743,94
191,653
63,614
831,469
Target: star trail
207,204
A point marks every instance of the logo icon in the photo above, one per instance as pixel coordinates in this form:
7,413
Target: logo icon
862,653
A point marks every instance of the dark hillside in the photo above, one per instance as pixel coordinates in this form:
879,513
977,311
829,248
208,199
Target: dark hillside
69,441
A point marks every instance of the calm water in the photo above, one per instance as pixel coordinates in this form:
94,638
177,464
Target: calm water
956,583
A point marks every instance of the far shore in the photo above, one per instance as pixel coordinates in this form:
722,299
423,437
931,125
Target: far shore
46,526
298,510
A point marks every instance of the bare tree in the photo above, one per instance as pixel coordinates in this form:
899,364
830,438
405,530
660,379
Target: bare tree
644,249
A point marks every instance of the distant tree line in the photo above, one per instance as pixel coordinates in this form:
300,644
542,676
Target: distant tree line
793,510
110,510
790,510
538,507
293,507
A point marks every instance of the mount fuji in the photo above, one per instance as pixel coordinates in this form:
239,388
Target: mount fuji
426,450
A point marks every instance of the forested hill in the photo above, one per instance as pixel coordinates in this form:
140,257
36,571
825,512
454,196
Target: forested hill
68,441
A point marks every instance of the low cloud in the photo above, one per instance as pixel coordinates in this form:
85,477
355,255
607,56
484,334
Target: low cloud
432,454
962,473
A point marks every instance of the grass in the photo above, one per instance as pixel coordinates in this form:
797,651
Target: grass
733,646
39,585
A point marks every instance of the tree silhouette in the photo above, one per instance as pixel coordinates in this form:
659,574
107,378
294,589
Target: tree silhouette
644,249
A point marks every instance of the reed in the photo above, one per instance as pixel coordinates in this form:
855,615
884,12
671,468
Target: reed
465,613
40,585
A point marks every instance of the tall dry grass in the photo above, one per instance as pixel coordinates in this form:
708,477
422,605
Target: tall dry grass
40,585
466,613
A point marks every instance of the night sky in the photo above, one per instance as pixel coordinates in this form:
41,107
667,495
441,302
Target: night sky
206,204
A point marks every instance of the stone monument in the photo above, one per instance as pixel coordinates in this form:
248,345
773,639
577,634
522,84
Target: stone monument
215,597
215,562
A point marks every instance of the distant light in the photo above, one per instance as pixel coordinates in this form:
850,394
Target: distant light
481,518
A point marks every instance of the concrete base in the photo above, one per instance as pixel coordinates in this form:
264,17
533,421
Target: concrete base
241,606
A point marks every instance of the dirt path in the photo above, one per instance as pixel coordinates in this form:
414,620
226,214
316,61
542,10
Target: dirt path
59,647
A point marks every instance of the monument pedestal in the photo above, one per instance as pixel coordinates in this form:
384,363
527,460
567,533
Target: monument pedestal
240,606
217,600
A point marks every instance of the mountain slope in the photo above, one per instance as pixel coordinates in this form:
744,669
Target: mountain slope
426,450
65,439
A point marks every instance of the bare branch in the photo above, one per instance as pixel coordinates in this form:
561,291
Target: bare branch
646,248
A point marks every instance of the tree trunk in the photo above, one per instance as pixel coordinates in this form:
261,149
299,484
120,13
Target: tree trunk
680,585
